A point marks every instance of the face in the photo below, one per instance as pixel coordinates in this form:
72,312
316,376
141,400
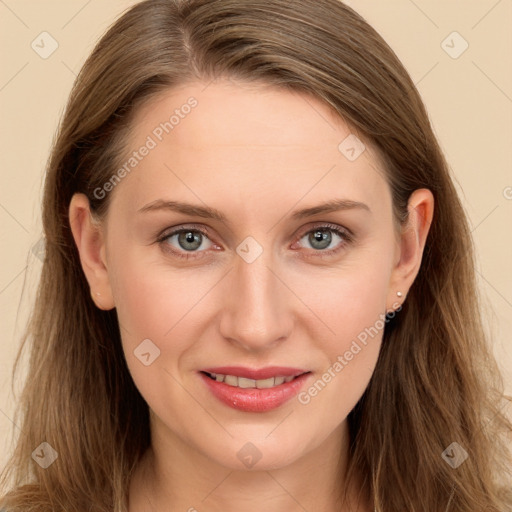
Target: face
249,239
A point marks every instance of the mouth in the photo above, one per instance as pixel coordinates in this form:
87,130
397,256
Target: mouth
254,390
245,383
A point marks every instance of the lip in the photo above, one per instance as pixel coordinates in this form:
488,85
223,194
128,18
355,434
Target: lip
254,399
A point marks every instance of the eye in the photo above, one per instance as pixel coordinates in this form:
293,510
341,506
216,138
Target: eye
327,239
193,242
186,242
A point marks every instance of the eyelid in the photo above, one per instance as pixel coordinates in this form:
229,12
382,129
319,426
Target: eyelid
347,233
169,231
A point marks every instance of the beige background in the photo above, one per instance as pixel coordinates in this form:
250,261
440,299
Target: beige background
469,99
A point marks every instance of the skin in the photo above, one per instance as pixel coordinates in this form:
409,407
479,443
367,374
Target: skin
256,154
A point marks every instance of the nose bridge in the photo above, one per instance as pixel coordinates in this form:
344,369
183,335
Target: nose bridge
257,311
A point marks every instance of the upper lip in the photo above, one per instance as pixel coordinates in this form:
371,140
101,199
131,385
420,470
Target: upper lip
256,374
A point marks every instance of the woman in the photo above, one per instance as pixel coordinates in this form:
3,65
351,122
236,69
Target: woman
260,277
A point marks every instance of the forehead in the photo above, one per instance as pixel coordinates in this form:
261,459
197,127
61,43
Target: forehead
240,142
264,115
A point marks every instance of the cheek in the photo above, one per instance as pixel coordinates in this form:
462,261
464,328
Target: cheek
351,300
138,295
150,297
352,307
354,310
151,300
163,305
152,305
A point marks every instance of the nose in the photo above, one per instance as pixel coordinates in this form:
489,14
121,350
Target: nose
257,310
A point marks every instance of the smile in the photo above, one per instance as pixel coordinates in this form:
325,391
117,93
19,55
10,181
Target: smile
255,390
245,383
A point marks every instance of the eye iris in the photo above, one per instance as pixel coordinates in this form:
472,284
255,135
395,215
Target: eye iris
188,239
323,237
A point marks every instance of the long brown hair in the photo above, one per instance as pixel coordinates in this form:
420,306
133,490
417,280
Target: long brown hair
435,382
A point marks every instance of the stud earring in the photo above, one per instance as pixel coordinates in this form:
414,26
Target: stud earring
399,294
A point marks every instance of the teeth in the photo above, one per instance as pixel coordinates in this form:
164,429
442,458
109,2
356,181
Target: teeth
279,380
231,380
265,383
244,383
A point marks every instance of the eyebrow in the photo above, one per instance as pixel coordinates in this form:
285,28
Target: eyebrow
212,213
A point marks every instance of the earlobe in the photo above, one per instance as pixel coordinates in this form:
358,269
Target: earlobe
412,242
89,240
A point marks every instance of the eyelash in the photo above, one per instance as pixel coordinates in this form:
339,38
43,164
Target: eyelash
343,233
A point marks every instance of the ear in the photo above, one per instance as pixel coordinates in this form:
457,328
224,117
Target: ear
90,242
410,246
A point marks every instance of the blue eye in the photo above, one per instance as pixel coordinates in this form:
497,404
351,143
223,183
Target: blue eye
321,237
194,242
187,240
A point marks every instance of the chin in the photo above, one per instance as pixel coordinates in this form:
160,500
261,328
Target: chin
259,453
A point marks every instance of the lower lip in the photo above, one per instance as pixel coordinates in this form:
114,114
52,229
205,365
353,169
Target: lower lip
254,399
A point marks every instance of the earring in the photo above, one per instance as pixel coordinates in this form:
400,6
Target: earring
399,294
